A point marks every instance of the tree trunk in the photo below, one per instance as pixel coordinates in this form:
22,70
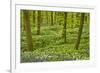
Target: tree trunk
38,22
51,18
33,16
54,15
47,17
64,26
28,30
22,21
80,31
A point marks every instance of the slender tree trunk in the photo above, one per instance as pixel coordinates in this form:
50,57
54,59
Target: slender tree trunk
88,18
64,26
47,17
80,31
28,30
33,16
51,18
55,18
39,22
72,19
22,21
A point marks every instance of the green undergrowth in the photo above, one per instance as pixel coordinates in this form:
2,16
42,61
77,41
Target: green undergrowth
49,45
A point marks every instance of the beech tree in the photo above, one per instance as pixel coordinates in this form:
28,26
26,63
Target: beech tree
39,22
51,18
28,30
80,30
33,16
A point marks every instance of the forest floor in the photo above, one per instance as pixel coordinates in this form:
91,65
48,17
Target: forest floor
49,45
